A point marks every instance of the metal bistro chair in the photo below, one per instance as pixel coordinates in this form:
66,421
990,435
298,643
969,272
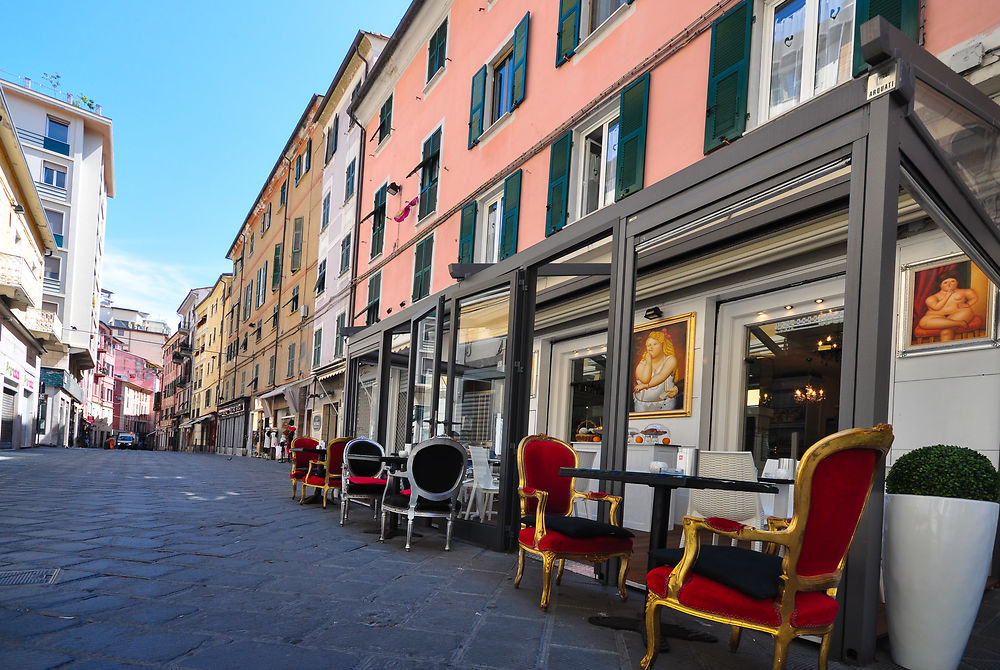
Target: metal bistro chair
785,596
435,469
363,478
329,478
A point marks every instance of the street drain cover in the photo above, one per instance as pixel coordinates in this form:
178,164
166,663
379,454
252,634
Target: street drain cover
23,577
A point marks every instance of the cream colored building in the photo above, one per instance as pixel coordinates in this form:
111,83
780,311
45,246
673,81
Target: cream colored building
207,364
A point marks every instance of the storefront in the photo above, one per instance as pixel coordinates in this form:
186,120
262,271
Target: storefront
760,299
232,435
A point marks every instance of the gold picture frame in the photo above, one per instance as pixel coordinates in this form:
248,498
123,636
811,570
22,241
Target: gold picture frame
661,387
947,303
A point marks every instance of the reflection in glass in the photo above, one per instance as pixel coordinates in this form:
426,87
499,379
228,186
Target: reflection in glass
480,355
834,43
399,377
792,384
787,54
367,405
969,143
423,384
587,398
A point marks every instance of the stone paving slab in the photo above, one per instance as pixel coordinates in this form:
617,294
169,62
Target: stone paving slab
193,561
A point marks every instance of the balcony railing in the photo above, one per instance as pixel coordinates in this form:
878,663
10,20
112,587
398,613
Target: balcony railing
50,192
39,140
103,369
52,285
44,324
17,281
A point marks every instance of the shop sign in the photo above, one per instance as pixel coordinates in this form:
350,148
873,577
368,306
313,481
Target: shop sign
29,383
232,410
883,79
11,371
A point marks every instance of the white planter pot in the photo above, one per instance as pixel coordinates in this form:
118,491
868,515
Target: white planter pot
937,559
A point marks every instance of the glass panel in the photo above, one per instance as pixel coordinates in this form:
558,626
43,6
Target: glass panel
610,163
480,369
56,130
792,384
593,155
494,212
787,51
423,384
600,10
968,142
835,43
501,87
366,383
399,384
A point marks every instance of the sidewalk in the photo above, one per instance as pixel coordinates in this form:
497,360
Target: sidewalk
194,561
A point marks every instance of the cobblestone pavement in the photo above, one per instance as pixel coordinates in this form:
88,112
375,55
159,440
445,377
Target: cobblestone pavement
196,561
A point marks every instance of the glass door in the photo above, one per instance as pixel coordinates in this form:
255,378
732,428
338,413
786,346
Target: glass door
363,421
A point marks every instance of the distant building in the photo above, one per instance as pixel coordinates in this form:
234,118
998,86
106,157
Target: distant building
69,154
25,330
137,333
207,364
183,353
98,410
175,369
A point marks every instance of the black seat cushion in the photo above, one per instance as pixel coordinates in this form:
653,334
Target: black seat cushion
577,527
756,574
364,489
400,501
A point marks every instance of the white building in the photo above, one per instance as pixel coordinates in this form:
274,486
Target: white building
25,330
339,217
69,154
185,385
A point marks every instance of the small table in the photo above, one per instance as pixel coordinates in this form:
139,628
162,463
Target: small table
396,466
662,484
784,501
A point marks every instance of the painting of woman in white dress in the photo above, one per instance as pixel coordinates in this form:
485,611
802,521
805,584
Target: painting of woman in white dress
661,362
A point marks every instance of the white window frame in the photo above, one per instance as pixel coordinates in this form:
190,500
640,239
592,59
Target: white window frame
56,169
59,122
579,162
45,272
487,244
762,40
590,35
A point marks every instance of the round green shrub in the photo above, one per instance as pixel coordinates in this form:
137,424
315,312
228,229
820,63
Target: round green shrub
946,471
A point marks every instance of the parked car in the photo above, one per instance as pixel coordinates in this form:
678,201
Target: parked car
126,441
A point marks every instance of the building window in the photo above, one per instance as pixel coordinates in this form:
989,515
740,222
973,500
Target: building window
53,268
56,136
296,263
259,329
494,237
291,360
298,169
309,153
422,260
378,221
284,194
499,86
276,269
807,49
247,299
265,221
56,223
325,217
331,139
338,346
374,293
599,156
321,277
250,250
385,120
317,346
349,181
261,285
580,18
54,175
345,254
270,369
293,302
429,174
436,50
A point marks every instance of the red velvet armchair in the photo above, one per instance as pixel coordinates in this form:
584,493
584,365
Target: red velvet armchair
328,471
548,528
786,596
301,459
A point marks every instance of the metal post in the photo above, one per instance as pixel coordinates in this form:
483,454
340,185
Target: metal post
867,357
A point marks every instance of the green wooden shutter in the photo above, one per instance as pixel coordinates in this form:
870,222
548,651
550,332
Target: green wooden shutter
378,222
633,108
729,71
511,213
276,270
467,233
568,35
436,50
477,105
904,14
558,202
520,62
422,269
335,132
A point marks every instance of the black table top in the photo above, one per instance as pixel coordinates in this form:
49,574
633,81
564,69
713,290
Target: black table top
396,461
671,480
776,480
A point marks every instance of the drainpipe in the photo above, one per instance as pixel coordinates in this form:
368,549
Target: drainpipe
281,275
357,205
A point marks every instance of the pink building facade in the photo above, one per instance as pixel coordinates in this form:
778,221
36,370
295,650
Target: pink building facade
99,409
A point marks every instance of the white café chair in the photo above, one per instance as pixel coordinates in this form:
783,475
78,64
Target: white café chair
741,506
484,487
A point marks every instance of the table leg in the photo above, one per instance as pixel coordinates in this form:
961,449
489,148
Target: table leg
659,521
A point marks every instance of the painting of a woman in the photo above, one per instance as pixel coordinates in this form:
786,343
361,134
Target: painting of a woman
949,302
661,362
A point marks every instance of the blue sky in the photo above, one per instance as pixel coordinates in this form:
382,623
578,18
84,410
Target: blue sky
203,96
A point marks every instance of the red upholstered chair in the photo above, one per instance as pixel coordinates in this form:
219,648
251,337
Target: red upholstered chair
327,472
300,460
785,596
548,528
363,478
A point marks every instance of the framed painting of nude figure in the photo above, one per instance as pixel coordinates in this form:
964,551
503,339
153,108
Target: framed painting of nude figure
948,303
662,367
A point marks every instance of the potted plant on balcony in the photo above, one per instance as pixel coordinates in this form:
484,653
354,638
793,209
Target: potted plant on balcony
940,523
